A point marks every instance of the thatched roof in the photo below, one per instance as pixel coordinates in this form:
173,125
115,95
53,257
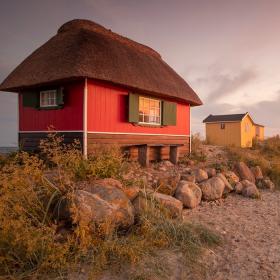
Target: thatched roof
82,48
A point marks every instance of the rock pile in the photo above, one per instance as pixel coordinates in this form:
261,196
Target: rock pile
109,202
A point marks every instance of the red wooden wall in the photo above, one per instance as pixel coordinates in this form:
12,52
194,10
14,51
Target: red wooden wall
107,112
67,119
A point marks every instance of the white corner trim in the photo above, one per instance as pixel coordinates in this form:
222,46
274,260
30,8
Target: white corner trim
136,133
247,114
190,130
85,107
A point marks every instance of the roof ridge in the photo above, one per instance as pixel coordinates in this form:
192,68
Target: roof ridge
83,24
229,114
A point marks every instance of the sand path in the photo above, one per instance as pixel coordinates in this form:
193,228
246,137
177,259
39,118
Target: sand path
250,230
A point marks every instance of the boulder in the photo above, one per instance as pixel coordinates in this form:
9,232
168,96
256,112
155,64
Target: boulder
211,172
188,177
212,188
165,165
187,170
108,182
167,184
250,189
123,214
257,172
91,210
200,175
265,183
189,194
228,187
238,188
131,191
244,172
232,178
173,205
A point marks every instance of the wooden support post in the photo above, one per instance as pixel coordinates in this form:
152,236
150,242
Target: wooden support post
173,154
158,153
144,155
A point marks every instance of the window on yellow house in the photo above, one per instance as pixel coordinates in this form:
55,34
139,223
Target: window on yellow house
223,125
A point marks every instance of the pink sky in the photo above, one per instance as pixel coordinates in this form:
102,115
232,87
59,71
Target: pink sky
228,51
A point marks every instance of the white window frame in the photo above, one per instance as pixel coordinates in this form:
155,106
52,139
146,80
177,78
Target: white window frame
160,111
54,97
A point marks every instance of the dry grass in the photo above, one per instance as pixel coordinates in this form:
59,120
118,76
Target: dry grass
197,153
31,245
266,154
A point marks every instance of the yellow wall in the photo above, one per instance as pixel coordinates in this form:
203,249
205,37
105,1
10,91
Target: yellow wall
239,134
247,132
230,136
261,132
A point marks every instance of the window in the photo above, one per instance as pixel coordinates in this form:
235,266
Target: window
223,125
149,110
48,98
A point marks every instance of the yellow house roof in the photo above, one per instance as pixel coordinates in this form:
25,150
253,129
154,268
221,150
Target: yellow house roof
228,118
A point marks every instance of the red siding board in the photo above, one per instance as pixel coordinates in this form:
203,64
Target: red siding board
107,112
67,119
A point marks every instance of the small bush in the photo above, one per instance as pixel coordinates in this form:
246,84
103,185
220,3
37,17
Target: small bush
106,162
197,154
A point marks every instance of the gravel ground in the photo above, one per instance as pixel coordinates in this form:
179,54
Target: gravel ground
250,230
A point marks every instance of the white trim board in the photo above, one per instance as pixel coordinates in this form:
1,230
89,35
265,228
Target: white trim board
102,132
48,131
135,133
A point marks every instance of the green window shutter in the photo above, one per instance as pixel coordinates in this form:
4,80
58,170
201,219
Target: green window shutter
59,96
133,115
169,113
30,99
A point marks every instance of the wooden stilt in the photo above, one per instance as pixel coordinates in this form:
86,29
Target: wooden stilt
144,155
174,154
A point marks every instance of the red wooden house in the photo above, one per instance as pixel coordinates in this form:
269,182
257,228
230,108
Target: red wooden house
94,85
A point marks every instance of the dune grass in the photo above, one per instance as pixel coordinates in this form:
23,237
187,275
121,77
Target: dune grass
265,154
32,244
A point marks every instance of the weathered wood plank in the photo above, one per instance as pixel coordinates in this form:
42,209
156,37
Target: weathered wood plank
31,141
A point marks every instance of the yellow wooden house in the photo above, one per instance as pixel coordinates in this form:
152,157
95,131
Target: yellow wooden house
232,130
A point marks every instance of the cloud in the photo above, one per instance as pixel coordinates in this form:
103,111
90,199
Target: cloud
228,84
